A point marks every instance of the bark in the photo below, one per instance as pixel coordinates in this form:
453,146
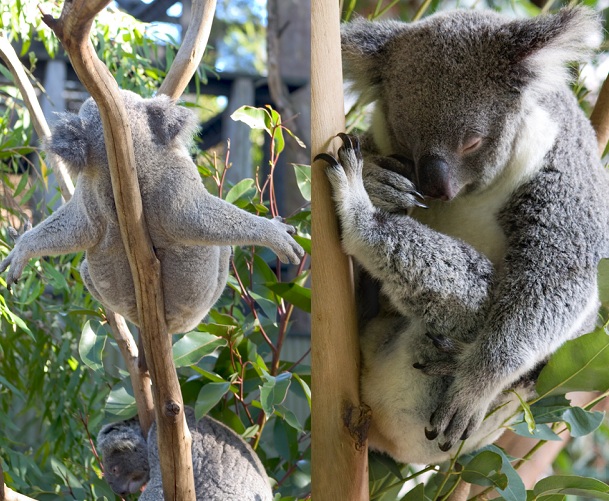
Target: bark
339,425
73,28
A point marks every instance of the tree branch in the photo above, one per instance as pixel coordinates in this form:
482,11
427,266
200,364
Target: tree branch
9,56
72,28
600,117
191,51
339,433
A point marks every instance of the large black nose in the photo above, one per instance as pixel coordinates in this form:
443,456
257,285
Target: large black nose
433,177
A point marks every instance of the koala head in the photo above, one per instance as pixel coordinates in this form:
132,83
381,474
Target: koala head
451,90
124,456
155,123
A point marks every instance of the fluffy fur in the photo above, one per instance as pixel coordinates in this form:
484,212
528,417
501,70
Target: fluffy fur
479,289
225,467
191,230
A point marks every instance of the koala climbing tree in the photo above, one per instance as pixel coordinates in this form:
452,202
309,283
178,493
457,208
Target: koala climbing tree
482,286
72,28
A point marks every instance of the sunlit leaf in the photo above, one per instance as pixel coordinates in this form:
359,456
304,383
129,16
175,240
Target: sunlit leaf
194,346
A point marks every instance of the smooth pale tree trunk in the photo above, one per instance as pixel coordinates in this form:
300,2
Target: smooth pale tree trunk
339,423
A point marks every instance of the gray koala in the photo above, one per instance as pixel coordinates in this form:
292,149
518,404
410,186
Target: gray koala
225,467
474,118
191,230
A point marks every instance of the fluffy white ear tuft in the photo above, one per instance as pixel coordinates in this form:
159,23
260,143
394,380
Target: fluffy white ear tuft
540,48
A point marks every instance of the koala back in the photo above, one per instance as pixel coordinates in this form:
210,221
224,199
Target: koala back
225,467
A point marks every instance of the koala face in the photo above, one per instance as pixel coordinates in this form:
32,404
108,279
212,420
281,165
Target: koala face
124,456
452,91
124,474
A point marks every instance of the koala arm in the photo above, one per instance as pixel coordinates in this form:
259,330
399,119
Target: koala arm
545,295
65,231
203,219
422,272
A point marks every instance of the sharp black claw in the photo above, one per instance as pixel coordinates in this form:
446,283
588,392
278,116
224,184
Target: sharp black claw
419,366
346,139
431,434
420,204
466,435
445,447
328,158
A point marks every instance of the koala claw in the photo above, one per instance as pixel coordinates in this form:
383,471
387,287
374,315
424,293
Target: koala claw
444,343
327,158
431,434
351,142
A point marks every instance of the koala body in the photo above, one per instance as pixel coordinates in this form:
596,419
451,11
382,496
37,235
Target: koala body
191,230
473,113
225,467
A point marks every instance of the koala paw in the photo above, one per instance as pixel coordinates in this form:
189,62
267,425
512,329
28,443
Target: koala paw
459,415
286,248
390,190
15,260
348,168
445,361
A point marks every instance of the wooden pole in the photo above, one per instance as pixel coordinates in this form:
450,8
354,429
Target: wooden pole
339,423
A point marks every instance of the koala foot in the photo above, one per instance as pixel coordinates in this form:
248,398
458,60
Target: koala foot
286,248
446,363
460,414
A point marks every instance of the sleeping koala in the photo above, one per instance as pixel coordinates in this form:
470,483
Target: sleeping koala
473,113
225,467
191,230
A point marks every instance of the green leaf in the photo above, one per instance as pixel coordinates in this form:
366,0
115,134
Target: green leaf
241,190
582,422
416,494
541,431
56,279
273,391
579,365
194,346
526,409
209,396
577,486
485,469
303,179
305,387
121,402
304,242
255,118
296,294
91,345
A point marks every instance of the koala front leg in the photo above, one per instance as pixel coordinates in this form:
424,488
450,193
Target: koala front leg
209,220
422,272
65,231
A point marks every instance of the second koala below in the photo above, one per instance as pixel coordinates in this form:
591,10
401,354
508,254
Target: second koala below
473,110
225,467
191,230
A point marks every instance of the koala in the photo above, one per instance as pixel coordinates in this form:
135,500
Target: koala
474,119
192,231
225,467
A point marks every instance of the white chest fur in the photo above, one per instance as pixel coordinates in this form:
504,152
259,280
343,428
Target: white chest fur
473,218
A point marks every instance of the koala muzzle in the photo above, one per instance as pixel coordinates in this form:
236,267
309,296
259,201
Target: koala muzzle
433,177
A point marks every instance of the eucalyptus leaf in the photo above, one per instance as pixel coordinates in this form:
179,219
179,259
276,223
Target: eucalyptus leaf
579,365
485,469
585,487
209,396
91,345
255,118
192,347
296,294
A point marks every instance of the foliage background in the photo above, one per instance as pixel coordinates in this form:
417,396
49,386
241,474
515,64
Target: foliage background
61,375
491,468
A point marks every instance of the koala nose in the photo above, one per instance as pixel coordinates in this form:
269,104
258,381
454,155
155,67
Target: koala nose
433,177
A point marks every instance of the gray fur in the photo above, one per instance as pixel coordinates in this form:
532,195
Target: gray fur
501,269
225,467
191,230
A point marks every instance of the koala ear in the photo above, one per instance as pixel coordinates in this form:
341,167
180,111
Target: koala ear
168,121
538,49
69,142
363,43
